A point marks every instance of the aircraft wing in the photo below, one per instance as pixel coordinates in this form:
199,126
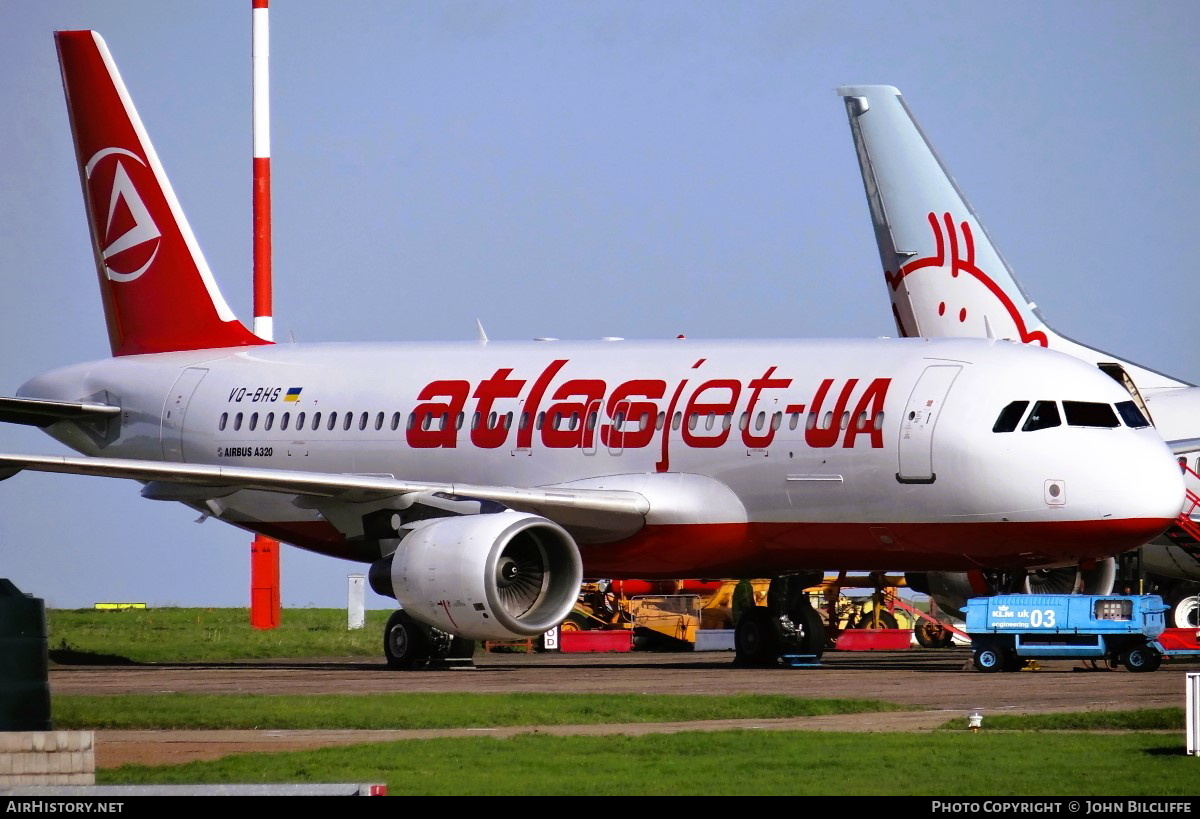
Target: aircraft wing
39,413
597,510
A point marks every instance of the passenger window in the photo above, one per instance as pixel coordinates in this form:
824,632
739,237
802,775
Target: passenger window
224,421
794,421
348,421
283,422
299,421
253,421
395,421
332,422
379,421
1044,415
237,422
1090,414
1131,415
879,421
316,421
1010,416
270,421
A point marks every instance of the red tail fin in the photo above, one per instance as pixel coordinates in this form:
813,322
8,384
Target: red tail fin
158,292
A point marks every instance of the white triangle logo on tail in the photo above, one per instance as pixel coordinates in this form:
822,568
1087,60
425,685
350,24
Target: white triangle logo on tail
124,202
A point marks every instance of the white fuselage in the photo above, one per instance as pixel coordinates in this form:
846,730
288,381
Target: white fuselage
756,456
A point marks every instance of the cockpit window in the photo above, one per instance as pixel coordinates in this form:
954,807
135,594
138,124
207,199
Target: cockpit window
1131,415
1010,416
1090,414
1044,415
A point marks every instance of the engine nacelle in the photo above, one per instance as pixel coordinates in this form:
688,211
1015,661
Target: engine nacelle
484,577
951,590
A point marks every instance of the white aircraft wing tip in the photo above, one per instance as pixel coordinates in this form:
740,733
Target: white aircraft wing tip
867,90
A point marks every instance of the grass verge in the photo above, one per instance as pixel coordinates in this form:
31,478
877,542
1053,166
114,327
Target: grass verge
1142,719
725,763
175,635
428,710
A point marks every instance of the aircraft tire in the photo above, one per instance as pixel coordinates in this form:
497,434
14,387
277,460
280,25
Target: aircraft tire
405,641
1184,604
814,631
754,639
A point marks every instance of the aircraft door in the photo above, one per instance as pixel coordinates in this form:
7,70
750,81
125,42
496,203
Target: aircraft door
616,437
917,426
174,411
591,427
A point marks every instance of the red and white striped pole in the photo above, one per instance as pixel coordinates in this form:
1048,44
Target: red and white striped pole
260,54
264,551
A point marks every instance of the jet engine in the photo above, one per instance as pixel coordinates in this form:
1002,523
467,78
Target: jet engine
484,577
951,590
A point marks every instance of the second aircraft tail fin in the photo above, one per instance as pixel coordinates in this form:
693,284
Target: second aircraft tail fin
944,274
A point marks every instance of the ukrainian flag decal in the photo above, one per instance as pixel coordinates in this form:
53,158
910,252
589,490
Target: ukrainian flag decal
293,395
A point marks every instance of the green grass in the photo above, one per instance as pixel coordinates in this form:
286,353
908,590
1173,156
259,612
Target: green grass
428,710
1143,719
172,635
726,763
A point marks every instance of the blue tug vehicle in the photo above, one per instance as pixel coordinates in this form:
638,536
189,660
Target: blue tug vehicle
1007,630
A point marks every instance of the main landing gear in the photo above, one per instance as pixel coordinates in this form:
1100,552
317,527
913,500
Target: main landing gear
409,644
788,624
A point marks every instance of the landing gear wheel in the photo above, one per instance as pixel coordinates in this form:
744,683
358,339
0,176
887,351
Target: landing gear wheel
810,622
988,659
1142,658
886,620
754,638
405,641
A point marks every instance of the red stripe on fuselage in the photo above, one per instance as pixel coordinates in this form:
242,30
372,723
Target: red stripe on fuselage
763,549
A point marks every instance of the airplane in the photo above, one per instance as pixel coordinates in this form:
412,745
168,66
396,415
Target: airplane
946,278
482,480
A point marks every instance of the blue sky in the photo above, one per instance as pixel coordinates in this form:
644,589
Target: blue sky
578,169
